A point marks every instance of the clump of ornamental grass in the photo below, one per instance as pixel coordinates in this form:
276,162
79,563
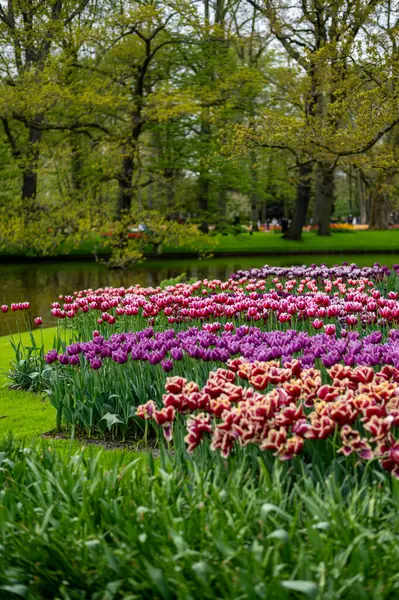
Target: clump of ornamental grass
29,371
84,525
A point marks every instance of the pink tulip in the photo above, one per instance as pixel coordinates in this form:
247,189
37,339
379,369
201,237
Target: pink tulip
330,329
284,317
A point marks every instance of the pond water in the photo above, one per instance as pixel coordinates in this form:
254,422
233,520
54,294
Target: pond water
40,283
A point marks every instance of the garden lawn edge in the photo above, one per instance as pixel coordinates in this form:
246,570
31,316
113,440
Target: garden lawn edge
260,243
27,416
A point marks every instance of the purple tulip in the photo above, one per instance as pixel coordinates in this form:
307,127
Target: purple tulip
51,357
167,365
95,363
176,353
155,357
119,357
376,272
64,359
251,343
73,349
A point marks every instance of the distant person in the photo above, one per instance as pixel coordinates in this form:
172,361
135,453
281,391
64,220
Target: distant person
354,221
284,225
251,228
267,224
258,224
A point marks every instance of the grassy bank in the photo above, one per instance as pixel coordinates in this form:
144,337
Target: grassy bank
270,243
23,414
263,243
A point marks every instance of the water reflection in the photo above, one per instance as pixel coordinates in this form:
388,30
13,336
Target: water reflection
41,282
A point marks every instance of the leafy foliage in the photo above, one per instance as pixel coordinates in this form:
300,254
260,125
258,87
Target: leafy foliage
153,528
176,112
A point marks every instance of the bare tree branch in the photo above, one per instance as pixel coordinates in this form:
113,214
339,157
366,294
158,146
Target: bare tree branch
78,10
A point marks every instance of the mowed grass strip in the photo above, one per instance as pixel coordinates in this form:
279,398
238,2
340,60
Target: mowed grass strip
273,243
24,414
260,243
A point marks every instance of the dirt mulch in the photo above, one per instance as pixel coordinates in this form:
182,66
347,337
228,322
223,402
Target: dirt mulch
107,444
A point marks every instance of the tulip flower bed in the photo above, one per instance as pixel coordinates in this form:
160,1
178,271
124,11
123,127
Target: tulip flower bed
344,271
273,398
128,339
169,347
276,301
97,379
357,410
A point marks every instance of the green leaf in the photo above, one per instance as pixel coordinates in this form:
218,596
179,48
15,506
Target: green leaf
309,588
201,569
111,559
267,508
111,419
279,534
34,375
321,525
17,589
157,576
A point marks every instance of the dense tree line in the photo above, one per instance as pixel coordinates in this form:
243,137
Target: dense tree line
207,112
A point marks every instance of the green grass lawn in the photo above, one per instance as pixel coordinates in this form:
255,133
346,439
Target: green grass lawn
271,243
24,414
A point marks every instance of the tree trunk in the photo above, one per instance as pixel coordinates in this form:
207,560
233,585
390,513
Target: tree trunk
380,209
204,176
150,195
301,204
169,174
77,166
29,185
203,200
254,193
362,198
29,174
350,181
125,195
286,207
324,198
222,199
264,212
